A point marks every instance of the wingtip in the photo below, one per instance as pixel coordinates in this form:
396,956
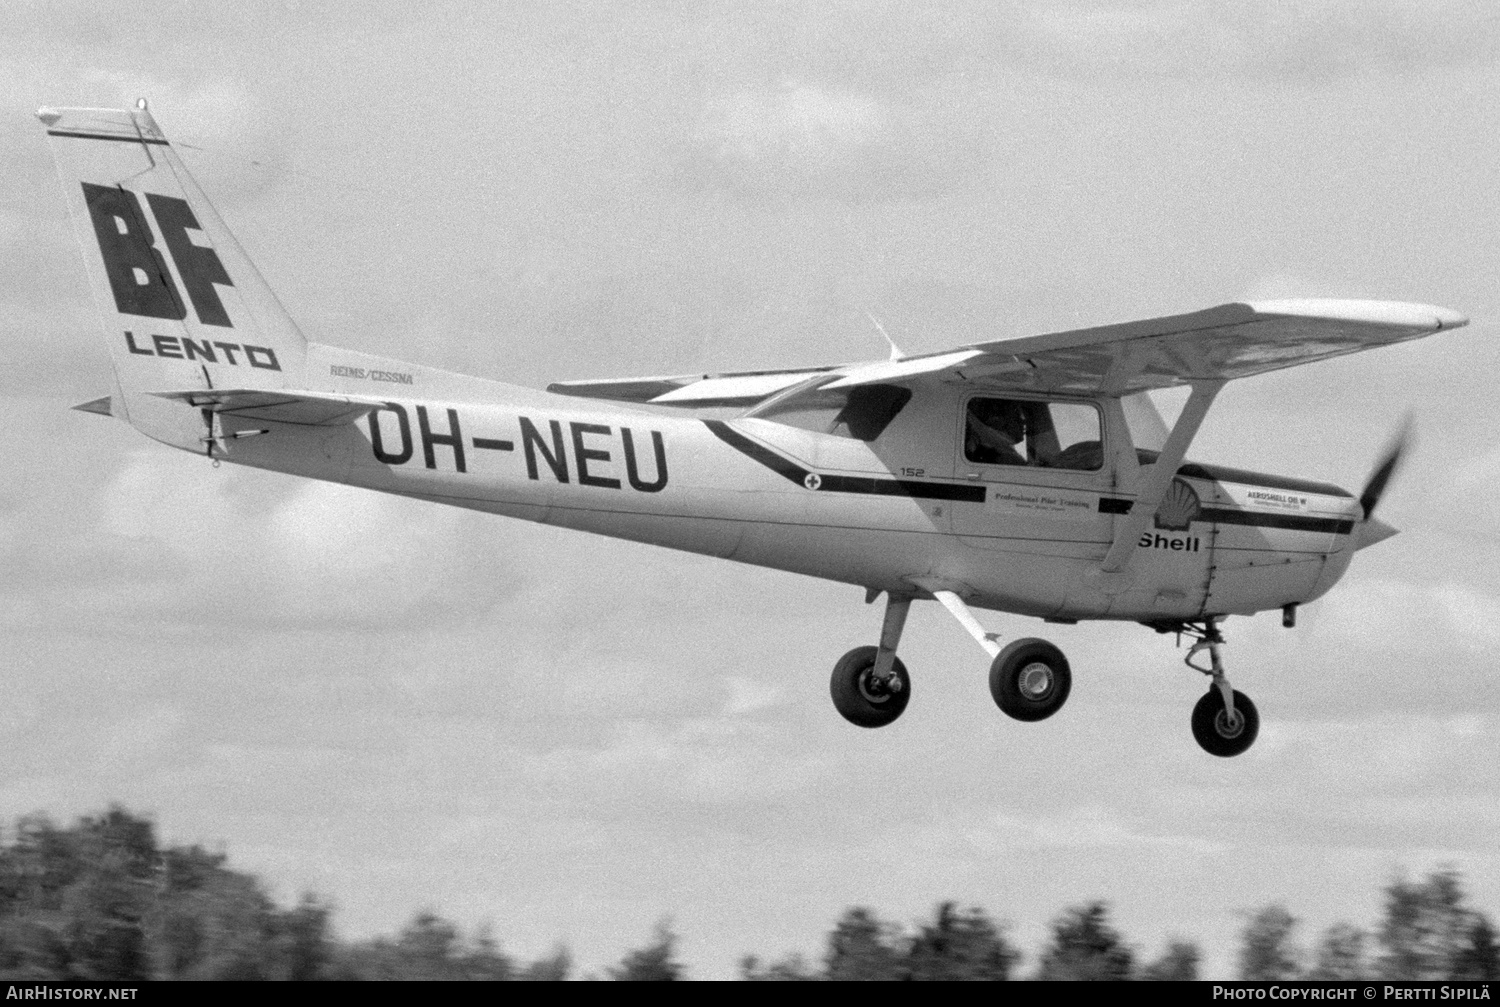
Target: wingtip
1393,313
1449,319
48,115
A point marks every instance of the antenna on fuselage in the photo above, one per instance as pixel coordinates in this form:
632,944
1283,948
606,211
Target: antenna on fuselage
896,353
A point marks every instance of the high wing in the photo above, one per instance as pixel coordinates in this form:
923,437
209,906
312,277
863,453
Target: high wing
1218,344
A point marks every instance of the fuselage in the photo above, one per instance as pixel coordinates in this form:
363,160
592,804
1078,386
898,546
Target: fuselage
909,505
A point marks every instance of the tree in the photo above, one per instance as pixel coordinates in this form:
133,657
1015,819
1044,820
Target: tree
1085,946
1426,928
1340,954
551,968
859,949
223,927
429,948
304,939
1480,960
1266,949
652,963
792,968
1179,963
959,944
101,900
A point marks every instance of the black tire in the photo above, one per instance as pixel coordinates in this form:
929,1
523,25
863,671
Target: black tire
1030,679
1213,732
861,701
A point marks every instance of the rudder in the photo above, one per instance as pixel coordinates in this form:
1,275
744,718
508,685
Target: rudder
181,304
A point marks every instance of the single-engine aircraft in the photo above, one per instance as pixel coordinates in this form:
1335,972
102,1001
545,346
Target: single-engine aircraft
1031,476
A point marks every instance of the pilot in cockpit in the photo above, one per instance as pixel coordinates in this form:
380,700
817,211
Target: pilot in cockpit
995,432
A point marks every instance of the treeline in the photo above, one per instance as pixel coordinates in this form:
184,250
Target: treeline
1427,933
102,900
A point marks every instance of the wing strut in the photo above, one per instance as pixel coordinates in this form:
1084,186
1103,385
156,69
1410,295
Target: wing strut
943,592
1159,476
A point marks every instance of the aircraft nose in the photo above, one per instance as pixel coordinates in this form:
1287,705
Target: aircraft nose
1372,531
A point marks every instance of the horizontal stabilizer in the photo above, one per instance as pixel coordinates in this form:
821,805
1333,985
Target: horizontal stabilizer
304,408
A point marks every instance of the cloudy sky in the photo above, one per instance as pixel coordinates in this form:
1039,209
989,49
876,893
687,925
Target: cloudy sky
403,707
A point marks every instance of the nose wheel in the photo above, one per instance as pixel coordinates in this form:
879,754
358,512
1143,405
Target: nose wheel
1220,731
1225,722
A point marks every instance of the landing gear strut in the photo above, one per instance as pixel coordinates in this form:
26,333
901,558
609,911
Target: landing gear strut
870,686
1225,722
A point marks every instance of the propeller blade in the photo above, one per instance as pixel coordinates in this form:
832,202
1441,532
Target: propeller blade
1385,468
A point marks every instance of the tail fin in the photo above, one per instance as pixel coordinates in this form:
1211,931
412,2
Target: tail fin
181,304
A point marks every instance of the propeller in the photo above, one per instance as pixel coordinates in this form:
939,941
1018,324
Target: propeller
1371,529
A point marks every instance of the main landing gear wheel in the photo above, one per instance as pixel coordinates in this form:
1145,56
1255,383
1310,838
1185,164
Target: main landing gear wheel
863,699
1219,733
1030,679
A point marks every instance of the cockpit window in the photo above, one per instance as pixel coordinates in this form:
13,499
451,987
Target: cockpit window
1058,435
861,412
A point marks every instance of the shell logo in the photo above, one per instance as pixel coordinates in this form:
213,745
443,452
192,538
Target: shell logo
1179,508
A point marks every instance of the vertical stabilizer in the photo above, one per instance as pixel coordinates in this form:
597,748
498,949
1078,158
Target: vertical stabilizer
181,304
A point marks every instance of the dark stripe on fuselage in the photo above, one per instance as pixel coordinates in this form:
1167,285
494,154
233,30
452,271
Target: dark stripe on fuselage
106,136
948,491
1251,519
770,459
1245,518
869,485
1289,522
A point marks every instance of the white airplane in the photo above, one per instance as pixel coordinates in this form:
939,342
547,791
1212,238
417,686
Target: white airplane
1030,476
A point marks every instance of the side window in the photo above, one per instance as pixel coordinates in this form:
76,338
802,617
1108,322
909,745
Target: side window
1057,435
861,412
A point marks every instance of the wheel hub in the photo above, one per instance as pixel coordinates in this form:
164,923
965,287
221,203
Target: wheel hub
1228,726
1035,681
875,690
